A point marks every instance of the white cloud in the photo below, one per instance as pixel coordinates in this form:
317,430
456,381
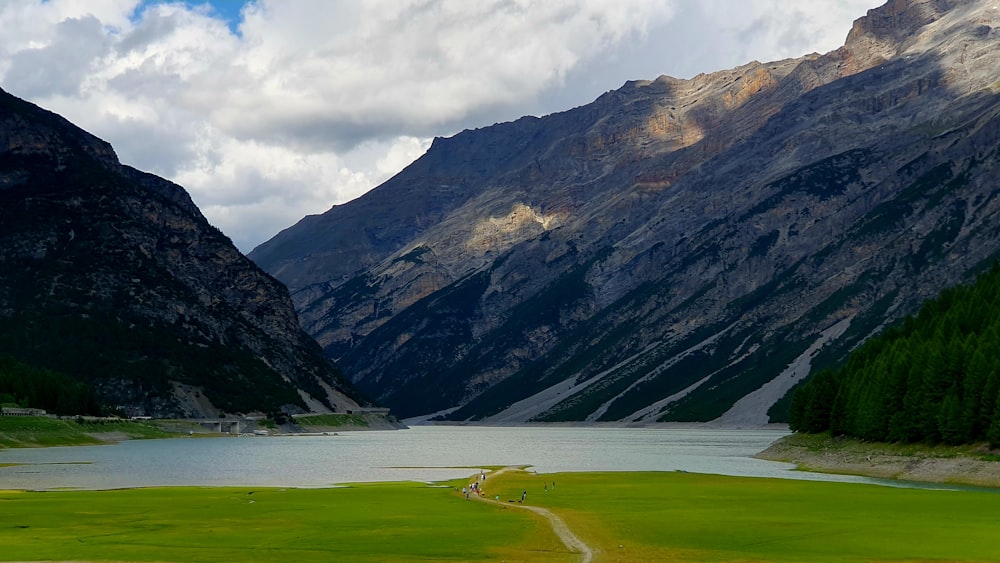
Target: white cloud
771,29
61,66
314,102
351,72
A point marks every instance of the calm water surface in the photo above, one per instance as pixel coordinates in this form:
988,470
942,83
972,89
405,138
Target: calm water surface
422,453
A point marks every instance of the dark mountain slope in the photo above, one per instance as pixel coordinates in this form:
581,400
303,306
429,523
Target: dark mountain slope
112,276
670,249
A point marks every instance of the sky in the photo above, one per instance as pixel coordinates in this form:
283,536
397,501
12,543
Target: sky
270,110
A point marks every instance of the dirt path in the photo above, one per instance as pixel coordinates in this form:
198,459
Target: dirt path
562,531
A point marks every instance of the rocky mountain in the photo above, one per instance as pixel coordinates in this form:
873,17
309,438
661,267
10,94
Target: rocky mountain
677,249
113,276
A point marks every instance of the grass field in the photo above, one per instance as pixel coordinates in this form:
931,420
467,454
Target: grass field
622,516
372,522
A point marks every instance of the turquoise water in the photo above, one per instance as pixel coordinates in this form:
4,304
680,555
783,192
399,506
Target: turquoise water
423,453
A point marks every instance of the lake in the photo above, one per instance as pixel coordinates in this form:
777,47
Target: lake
421,453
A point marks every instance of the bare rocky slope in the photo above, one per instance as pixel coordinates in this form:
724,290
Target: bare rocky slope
113,276
674,246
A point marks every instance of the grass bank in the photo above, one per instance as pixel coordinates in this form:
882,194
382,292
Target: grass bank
40,431
324,422
965,465
622,516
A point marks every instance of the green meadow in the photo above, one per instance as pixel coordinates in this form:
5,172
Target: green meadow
370,522
621,516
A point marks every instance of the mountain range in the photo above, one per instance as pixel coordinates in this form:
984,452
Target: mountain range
678,249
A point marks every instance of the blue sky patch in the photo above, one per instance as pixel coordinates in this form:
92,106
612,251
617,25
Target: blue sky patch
227,10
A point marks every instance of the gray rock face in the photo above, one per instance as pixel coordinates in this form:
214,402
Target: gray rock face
113,276
674,245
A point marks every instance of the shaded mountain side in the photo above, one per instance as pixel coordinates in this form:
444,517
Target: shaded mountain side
673,246
112,276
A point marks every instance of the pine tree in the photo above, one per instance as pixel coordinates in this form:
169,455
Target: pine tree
993,434
950,423
823,393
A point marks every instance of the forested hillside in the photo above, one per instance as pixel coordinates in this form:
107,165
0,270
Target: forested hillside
934,378
27,386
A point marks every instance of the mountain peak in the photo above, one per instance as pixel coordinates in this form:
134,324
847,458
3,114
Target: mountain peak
30,130
915,26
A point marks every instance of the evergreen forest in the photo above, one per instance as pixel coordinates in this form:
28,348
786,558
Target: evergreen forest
933,378
28,386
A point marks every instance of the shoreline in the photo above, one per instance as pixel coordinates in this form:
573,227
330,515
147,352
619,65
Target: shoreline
975,465
711,425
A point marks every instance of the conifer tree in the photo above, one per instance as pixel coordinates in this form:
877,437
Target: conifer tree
993,434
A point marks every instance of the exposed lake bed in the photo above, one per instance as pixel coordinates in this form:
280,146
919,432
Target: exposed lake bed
970,465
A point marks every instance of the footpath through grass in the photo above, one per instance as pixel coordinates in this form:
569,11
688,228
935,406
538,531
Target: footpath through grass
691,517
623,516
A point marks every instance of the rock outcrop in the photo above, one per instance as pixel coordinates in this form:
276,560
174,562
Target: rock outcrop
675,245
113,276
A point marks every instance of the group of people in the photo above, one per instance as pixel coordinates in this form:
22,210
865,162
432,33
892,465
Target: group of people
474,487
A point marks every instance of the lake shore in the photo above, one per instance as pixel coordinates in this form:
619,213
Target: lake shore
957,465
